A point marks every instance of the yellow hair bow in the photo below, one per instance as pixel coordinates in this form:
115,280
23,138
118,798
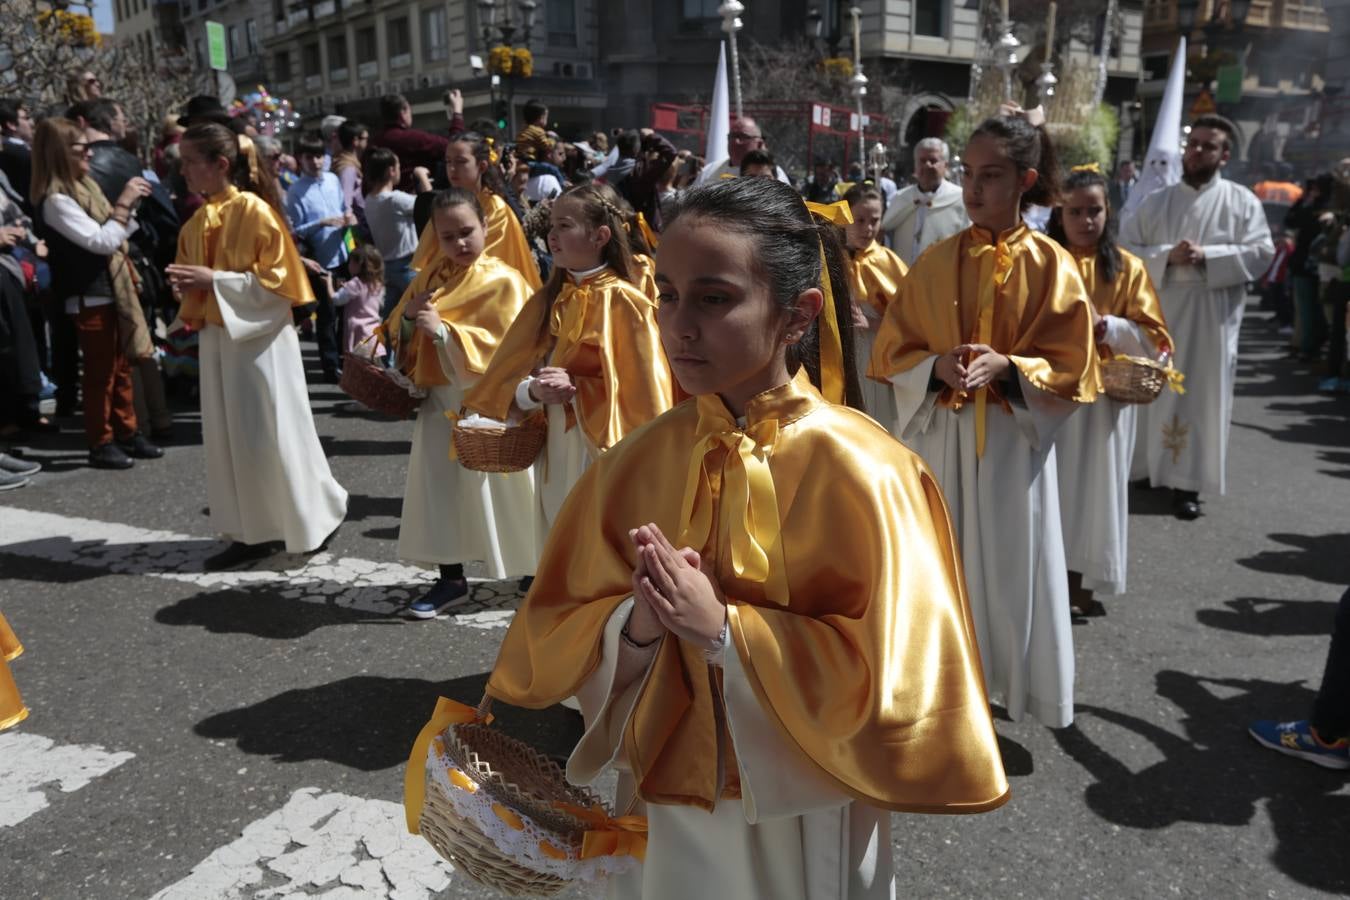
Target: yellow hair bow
1087,167
832,379
646,230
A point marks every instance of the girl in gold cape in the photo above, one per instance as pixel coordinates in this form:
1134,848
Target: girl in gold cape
1096,445
12,710
444,334
805,661
469,166
239,275
981,385
875,274
586,347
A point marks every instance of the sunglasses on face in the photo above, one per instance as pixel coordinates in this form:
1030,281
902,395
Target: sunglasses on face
79,148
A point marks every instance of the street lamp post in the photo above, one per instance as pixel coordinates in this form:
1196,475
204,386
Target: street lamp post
730,11
859,82
507,30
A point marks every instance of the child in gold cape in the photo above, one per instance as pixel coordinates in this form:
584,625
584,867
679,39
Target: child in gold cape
757,597
444,333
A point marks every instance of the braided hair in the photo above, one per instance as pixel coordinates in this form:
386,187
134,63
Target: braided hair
598,205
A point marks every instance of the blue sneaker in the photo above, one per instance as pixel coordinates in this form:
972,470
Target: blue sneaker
1330,385
444,592
1297,739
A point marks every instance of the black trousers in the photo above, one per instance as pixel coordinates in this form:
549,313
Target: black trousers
1338,294
1331,709
20,369
327,325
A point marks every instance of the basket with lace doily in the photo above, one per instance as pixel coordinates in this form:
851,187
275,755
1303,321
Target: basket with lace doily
506,816
1136,379
486,445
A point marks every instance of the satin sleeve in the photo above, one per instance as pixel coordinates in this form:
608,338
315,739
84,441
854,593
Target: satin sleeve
635,383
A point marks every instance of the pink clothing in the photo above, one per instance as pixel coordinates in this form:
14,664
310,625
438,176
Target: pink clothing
360,304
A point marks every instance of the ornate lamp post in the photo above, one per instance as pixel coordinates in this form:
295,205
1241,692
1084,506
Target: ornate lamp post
504,59
1045,84
1005,51
859,83
730,11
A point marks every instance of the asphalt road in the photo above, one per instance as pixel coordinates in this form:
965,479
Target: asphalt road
211,736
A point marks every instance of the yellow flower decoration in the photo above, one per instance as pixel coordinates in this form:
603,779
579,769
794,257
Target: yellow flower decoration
523,65
499,60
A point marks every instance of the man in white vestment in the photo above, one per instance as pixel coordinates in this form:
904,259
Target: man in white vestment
928,210
1202,240
744,137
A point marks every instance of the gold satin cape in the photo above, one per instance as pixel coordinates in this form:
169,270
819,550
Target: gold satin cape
846,600
238,231
12,710
1130,296
603,332
875,275
477,303
1020,293
505,240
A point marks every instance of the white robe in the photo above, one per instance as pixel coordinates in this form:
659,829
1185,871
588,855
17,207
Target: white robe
1183,439
455,515
793,835
1005,512
1094,448
944,218
564,459
267,478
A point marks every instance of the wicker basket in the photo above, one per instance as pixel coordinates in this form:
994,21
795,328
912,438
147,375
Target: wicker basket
507,448
524,782
1133,379
369,382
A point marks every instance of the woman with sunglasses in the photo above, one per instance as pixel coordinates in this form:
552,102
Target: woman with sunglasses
92,275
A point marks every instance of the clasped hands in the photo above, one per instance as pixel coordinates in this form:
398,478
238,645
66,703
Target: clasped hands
552,385
984,365
1186,254
420,310
673,591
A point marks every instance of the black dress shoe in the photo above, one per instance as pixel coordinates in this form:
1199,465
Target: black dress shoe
109,456
1141,484
139,447
524,586
237,554
1186,505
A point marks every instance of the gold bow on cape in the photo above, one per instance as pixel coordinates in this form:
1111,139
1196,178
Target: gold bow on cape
617,836
995,265
746,484
569,316
831,344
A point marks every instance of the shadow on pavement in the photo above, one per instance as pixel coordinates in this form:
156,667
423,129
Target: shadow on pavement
1335,459
369,723
341,447
1150,501
1216,775
261,613
364,506
1319,557
1263,617
1017,759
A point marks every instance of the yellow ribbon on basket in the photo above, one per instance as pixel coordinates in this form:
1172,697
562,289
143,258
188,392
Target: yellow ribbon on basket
832,377
448,712
618,836
454,420
984,328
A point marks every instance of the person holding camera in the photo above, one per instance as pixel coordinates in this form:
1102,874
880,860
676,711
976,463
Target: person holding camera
413,147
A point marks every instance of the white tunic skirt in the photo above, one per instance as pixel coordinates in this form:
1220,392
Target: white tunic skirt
267,478
1094,449
1005,511
565,458
878,397
455,515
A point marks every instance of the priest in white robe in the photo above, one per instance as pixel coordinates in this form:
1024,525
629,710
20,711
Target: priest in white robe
927,211
1202,240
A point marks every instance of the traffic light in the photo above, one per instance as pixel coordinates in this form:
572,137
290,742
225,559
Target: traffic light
501,111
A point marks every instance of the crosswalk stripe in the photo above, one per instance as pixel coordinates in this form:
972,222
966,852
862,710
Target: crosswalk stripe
382,588
34,765
336,844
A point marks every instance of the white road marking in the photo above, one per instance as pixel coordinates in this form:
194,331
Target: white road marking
31,766
382,588
329,845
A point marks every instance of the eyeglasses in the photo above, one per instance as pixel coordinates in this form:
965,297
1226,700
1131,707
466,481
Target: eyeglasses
80,148
742,136
93,79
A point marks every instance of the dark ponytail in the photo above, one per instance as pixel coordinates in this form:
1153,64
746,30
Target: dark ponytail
1108,251
1029,147
788,242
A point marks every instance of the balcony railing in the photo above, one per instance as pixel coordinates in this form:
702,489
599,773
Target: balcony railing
369,69
400,61
337,74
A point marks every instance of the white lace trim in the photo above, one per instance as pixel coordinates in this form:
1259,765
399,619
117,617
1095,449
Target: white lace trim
521,845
